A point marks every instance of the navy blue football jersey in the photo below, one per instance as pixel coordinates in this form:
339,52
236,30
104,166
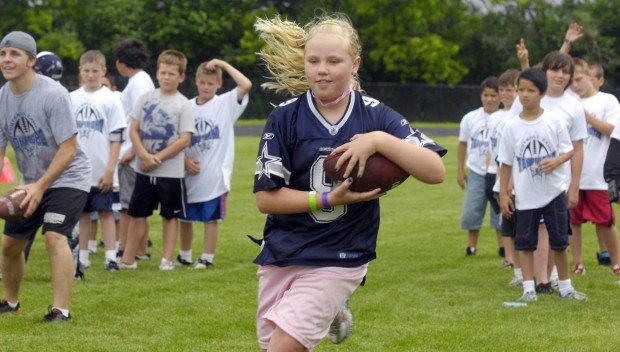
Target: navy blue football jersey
293,146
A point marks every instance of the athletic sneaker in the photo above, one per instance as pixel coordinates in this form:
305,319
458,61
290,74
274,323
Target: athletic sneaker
545,288
202,264
55,315
166,265
342,325
119,254
529,296
579,269
146,256
133,266
78,271
181,262
85,263
555,283
470,251
505,264
603,258
6,308
515,282
112,266
578,296
616,269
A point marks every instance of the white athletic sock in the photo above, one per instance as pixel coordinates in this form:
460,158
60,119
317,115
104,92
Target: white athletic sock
519,273
117,245
110,256
554,274
208,257
92,245
84,255
64,312
565,286
186,255
528,286
12,305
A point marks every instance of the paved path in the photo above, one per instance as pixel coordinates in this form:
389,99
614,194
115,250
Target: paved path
256,130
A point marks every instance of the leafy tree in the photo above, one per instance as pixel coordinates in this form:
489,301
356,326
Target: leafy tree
430,41
42,20
601,43
412,41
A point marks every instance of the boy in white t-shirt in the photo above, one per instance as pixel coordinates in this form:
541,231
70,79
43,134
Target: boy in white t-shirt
131,57
209,158
558,68
602,114
100,123
532,150
474,143
507,96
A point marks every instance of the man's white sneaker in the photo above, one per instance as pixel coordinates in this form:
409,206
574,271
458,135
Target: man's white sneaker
342,325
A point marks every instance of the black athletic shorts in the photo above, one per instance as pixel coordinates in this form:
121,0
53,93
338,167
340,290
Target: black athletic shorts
151,191
59,212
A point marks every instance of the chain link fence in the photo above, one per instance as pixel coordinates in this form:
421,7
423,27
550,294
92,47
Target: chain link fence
416,102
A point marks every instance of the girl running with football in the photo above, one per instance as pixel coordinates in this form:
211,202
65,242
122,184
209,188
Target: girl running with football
319,236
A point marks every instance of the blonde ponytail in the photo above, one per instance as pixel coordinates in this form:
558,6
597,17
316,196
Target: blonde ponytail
283,55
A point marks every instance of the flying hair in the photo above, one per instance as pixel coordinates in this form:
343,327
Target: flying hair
285,43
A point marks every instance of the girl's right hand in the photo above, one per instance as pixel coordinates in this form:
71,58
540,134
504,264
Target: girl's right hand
342,195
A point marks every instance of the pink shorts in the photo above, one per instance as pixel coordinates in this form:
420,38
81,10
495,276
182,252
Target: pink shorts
302,300
593,206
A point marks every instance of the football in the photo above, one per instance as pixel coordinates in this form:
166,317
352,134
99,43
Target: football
9,205
380,172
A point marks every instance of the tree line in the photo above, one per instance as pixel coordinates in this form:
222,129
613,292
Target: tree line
427,41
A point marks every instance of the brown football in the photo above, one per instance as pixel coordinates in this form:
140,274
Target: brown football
380,172
9,205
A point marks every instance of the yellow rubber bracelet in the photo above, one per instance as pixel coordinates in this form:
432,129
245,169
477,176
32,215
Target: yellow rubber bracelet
312,201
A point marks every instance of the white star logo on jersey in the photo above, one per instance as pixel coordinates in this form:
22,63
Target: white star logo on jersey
418,138
264,164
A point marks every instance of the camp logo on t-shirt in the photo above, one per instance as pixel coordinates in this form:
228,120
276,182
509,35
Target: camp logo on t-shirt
88,120
156,130
206,133
593,132
26,135
479,142
532,152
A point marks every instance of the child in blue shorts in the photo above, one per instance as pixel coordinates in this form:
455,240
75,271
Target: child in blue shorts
209,158
474,142
100,121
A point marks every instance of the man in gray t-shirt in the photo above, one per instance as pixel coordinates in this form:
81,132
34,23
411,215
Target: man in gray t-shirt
36,119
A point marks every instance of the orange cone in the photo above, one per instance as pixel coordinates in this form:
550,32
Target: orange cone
7,176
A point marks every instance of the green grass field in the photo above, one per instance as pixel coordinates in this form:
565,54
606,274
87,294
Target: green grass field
422,293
